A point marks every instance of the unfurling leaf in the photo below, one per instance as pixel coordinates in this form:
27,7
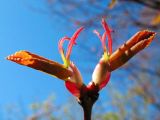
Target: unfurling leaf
112,4
39,63
135,44
156,20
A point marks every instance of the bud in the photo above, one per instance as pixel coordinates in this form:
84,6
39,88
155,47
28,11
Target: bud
40,63
135,44
101,75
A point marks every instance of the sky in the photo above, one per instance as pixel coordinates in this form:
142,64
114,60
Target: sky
24,29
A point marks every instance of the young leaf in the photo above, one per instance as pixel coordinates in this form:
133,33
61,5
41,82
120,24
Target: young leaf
39,63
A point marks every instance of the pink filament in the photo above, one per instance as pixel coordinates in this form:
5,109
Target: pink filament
104,83
60,44
102,38
72,88
108,32
72,42
98,34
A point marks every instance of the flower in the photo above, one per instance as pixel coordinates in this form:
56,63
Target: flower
66,59
102,72
135,44
67,72
112,61
40,63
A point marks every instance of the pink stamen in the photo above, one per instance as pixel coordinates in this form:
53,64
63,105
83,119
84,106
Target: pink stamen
104,83
98,34
60,44
108,32
72,42
102,38
72,88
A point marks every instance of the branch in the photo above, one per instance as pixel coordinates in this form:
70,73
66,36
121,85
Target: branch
148,3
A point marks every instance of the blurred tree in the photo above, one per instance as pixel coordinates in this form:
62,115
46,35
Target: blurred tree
137,84
125,16
142,13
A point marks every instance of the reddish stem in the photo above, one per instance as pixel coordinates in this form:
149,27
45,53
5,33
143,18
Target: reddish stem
87,99
87,109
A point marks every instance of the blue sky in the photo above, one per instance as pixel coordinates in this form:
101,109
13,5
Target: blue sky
23,29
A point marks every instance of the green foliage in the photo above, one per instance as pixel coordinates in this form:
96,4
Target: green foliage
110,116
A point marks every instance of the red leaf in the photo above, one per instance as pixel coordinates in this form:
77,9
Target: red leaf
104,83
72,88
40,63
